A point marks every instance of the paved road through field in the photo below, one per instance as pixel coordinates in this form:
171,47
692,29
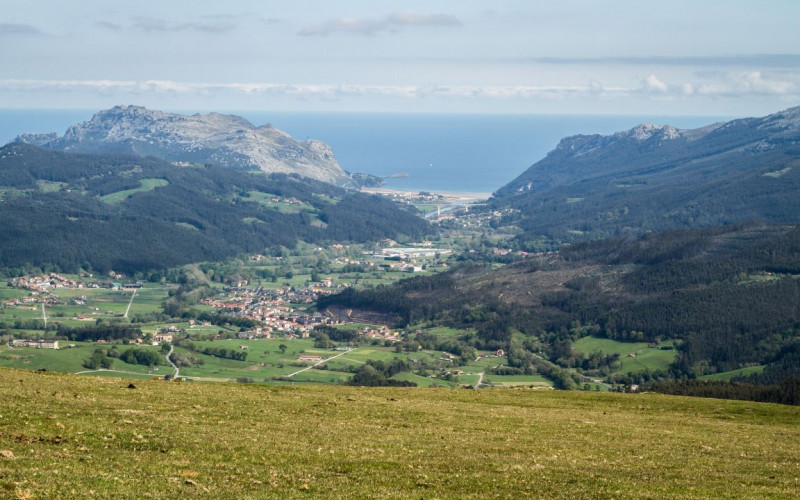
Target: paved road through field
130,304
320,362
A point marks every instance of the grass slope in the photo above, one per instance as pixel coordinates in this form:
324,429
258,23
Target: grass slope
65,436
741,372
634,356
145,185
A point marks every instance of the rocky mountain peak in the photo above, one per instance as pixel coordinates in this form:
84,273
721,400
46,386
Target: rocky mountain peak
787,120
645,131
579,145
222,139
658,148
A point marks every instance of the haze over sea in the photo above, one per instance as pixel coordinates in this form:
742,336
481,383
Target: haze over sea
438,152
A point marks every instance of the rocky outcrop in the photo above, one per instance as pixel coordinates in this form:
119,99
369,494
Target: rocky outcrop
648,150
226,140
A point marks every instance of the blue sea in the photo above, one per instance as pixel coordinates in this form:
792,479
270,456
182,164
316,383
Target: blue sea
420,152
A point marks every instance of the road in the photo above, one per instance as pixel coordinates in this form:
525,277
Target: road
320,362
177,370
583,377
113,371
595,381
130,304
200,379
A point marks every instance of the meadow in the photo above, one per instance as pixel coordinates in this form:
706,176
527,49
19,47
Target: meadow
145,185
634,356
66,436
70,359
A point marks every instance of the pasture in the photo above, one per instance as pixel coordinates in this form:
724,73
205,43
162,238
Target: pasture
65,436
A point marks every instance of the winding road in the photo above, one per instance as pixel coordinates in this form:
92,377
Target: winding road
174,366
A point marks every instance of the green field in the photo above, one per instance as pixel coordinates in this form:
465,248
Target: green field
101,303
266,363
634,356
741,372
6,292
443,331
517,380
62,360
283,206
145,185
64,436
425,381
70,359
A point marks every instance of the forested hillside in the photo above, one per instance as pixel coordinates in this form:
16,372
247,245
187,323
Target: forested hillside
132,214
729,296
656,178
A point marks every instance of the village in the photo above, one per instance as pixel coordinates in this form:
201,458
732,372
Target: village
282,308
251,305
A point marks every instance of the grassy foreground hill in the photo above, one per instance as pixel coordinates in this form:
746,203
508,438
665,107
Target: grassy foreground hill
66,436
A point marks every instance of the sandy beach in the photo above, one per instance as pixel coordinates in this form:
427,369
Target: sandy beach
455,198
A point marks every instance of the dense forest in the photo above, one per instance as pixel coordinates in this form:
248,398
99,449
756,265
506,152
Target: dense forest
57,212
730,295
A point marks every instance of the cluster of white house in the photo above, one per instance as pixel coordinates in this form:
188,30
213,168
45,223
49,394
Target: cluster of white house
44,282
38,344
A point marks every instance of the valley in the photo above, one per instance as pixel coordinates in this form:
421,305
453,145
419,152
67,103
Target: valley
383,250
271,301
232,275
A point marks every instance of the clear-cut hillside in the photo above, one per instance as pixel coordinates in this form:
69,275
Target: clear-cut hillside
225,140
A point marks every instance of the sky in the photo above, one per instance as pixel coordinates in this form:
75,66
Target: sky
677,57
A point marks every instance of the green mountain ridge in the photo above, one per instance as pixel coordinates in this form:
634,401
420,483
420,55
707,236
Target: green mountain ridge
133,214
654,178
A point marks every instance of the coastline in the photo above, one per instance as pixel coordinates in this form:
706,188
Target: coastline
455,197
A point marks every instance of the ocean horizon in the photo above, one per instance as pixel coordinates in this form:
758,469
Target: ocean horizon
449,153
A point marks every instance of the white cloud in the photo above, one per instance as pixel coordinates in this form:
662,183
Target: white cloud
408,18
653,84
306,90
739,85
371,27
751,83
154,25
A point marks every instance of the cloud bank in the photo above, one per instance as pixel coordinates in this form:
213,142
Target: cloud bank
728,85
19,29
152,24
765,60
371,27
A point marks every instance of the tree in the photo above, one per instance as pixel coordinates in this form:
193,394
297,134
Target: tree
368,376
283,348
